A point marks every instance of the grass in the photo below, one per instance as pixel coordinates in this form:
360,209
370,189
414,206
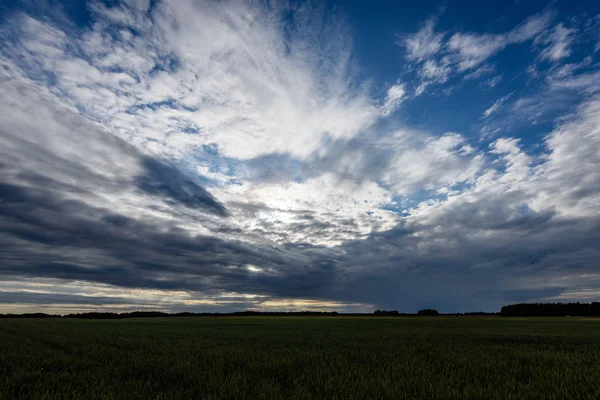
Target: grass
300,358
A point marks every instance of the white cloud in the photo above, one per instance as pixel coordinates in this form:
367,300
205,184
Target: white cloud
558,43
324,210
424,43
472,49
226,71
492,82
560,72
435,71
421,88
566,178
429,163
80,157
230,76
440,58
517,162
479,72
587,82
531,27
396,94
572,167
496,106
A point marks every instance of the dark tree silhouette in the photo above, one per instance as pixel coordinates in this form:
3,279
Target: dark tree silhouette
387,312
551,310
428,312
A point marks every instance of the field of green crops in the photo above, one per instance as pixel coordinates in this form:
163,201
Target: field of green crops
300,358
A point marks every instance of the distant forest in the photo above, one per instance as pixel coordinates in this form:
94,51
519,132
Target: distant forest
513,310
552,310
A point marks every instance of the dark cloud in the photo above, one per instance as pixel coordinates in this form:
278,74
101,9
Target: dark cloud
44,236
466,268
161,179
88,206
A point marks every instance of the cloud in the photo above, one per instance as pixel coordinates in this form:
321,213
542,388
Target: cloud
424,43
161,179
428,163
522,231
153,87
82,205
492,238
442,55
472,49
531,27
559,90
437,72
496,106
586,82
394,97
323,210
222,109
492,82
517,162
558,42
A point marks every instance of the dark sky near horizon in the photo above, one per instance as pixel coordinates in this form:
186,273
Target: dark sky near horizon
222,156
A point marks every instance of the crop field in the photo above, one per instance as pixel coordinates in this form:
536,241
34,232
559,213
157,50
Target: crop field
300,358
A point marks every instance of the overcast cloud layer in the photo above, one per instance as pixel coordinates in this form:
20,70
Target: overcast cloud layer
219,156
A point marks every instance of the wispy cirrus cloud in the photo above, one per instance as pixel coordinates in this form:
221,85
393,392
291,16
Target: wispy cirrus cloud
154,86
396,94
496,106
444,54
424,43
557,43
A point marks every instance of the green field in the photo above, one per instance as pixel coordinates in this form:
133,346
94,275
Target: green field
300,358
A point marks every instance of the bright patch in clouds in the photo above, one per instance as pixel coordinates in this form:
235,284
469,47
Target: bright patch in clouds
218,156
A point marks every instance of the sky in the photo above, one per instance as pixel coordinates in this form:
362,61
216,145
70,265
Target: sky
221,156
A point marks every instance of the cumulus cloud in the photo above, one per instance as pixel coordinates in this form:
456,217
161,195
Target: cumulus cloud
518,233
429,163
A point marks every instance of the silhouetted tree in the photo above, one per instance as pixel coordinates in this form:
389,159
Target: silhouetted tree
428,312
28,315
387,313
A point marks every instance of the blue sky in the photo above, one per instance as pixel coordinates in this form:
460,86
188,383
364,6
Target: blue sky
216,156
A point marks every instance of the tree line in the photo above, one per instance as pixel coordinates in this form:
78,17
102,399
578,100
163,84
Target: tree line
551,310
512,310
393,313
